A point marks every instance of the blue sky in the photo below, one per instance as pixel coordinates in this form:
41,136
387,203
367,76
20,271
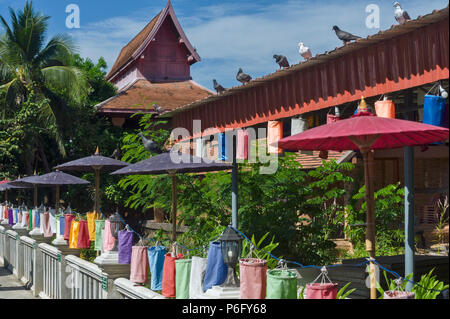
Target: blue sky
228,34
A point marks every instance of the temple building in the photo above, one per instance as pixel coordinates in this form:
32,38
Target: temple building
153,68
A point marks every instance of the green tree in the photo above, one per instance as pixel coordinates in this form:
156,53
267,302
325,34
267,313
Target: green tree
28,62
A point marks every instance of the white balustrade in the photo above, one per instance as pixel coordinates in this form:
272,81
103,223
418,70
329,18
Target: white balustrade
128,290
12,237
2,244
29,246
51,258
87,280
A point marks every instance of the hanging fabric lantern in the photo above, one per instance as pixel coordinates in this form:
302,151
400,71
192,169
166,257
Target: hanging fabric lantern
91,218
62,225
242,144
24,219
36,218
108,238
435,111
83,236
323,290
125,245
253,274
15,216
73,238
395,294
385,108
182,278
52,221
156,257
10,217
274,134
216,270
169,273
47,227
41,218
198,269
138,264
68,218
99,226
30,220
398,292
222,145
281,284
200,148
298,125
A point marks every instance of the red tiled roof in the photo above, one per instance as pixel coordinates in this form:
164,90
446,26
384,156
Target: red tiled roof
395,30
128,50
140,96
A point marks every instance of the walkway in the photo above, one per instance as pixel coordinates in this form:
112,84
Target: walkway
11,288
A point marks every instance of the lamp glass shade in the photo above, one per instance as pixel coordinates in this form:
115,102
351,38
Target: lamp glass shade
231,247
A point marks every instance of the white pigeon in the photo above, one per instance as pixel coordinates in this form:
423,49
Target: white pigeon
400,15
305,52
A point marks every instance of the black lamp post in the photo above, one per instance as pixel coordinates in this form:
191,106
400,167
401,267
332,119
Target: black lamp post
231,248
116,226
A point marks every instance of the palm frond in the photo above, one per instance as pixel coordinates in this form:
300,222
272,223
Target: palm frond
67,78
60,48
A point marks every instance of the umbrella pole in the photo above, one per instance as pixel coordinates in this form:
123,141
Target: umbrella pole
409,214
234,195
370,218
57,200
97,191
174,206
35,197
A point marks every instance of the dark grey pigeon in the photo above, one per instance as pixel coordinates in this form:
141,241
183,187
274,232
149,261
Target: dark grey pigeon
242,77
400,15
219,88
117,154
281,60
345,36
158,109
150,145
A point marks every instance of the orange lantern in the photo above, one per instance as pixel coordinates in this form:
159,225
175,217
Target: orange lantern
385,108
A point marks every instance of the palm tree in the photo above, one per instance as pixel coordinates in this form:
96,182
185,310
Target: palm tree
26,62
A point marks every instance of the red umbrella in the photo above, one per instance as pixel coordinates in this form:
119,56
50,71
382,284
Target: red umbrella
366,132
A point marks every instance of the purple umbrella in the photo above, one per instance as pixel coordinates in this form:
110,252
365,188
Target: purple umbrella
54,179
5,187
164,164
94,163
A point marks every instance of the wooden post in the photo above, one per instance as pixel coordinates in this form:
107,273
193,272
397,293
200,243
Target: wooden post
35,197
97,190
174,206
364,144
57,200
370,219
